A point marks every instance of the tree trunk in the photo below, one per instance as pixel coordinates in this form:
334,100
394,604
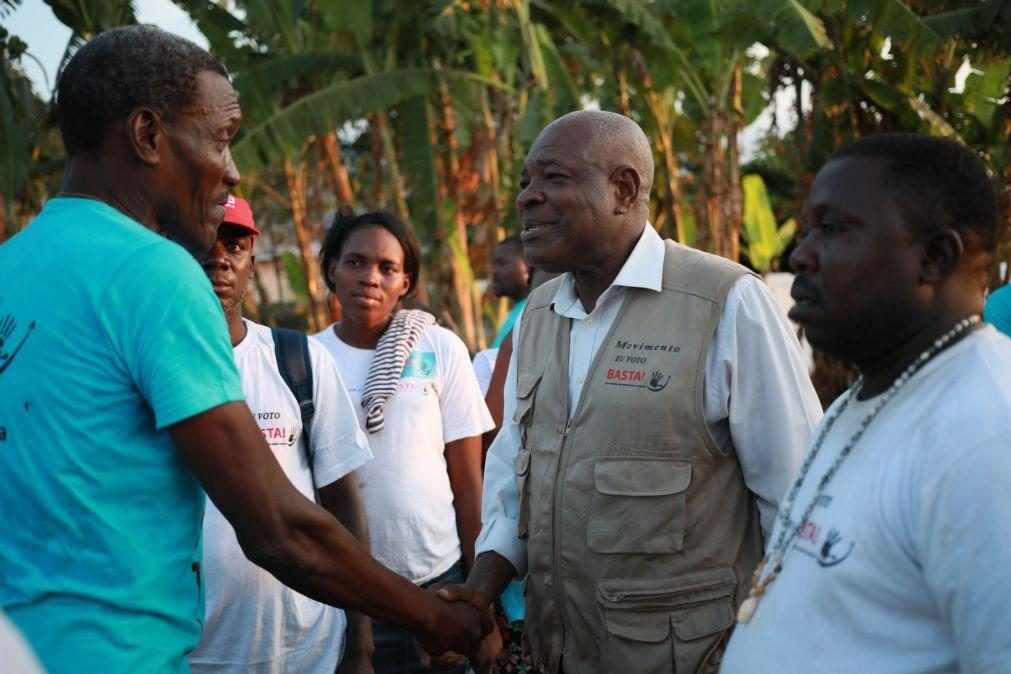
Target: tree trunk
624,106
296,191
715,179
338,171
735,196
490,215
378,181
459,254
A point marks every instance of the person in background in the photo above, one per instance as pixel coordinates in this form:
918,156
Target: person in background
419,402
484,366
890,551
510,277
254,623
122,408
656,407
997,310
500,364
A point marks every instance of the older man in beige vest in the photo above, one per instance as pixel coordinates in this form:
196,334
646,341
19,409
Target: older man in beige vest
656,407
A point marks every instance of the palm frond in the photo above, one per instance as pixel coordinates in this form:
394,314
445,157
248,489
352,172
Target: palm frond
418,166
638,15
894,19
318,112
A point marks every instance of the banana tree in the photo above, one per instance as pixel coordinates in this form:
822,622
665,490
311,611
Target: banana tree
764,240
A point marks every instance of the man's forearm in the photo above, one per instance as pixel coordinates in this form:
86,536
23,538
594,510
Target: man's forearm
491,575
301,544
318,557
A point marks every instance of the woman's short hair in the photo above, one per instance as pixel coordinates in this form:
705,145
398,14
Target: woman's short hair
346,223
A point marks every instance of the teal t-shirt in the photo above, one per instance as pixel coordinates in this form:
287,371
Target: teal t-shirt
108,334
998,309
507,325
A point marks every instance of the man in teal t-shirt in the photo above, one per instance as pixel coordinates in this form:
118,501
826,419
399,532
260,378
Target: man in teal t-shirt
510,277
111,361
118,389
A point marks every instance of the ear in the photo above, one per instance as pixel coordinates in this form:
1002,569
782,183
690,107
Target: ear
331,271
407,285
146,135
943,251
627,185
252,265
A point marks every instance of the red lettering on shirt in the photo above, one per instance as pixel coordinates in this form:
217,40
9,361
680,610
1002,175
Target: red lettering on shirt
625,375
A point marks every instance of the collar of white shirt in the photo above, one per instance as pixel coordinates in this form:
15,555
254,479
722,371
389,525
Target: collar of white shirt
642,269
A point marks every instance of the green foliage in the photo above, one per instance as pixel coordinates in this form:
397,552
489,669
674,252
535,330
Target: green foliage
16,107
418,164
764,240
295,272
407,78
287,130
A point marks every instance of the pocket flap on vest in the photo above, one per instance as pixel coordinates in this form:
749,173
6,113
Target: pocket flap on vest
526,382
648,627
701,621
641,477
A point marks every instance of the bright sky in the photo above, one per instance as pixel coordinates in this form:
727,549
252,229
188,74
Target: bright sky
47,38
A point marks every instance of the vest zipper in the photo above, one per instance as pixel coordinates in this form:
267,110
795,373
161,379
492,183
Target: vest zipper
556,546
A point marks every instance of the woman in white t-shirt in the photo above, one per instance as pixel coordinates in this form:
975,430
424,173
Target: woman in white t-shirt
422,491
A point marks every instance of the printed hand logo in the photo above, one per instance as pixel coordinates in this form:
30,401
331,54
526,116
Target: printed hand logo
7,326
826,558
657,382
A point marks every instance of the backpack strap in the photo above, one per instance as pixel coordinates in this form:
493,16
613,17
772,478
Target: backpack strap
292,351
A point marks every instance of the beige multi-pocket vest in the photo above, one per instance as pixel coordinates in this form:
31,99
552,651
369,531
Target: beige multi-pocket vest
641,534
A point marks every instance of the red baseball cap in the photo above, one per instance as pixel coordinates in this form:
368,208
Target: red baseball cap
238,212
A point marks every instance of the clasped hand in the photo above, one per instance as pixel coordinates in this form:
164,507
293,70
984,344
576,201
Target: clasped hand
475,637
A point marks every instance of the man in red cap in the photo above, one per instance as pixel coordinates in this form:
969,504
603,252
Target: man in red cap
252,619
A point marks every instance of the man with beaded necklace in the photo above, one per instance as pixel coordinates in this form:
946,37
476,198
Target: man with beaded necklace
890,550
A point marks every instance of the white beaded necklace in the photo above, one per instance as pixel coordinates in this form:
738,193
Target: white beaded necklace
788,529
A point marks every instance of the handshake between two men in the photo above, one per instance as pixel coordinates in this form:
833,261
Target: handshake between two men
488,579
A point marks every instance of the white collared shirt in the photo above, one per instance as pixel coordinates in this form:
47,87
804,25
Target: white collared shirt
759,402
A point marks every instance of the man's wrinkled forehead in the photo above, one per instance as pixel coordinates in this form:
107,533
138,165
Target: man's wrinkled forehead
216,97
564,145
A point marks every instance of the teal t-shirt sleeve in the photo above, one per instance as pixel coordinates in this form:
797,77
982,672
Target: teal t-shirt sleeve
998,309
165,322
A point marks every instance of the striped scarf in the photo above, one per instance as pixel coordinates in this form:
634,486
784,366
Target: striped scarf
392,351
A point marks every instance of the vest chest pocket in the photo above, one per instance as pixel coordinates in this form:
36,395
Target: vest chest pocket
527,382
638,505
667,624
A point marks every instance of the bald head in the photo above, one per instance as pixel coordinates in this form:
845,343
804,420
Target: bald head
610,141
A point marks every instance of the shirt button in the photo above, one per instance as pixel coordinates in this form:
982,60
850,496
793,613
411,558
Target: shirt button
579,379
589,321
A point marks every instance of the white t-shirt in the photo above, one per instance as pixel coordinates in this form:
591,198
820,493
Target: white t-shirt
406,489
484,366
18,656
253,623
905,566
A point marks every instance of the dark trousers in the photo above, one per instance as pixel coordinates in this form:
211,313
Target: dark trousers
397,651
